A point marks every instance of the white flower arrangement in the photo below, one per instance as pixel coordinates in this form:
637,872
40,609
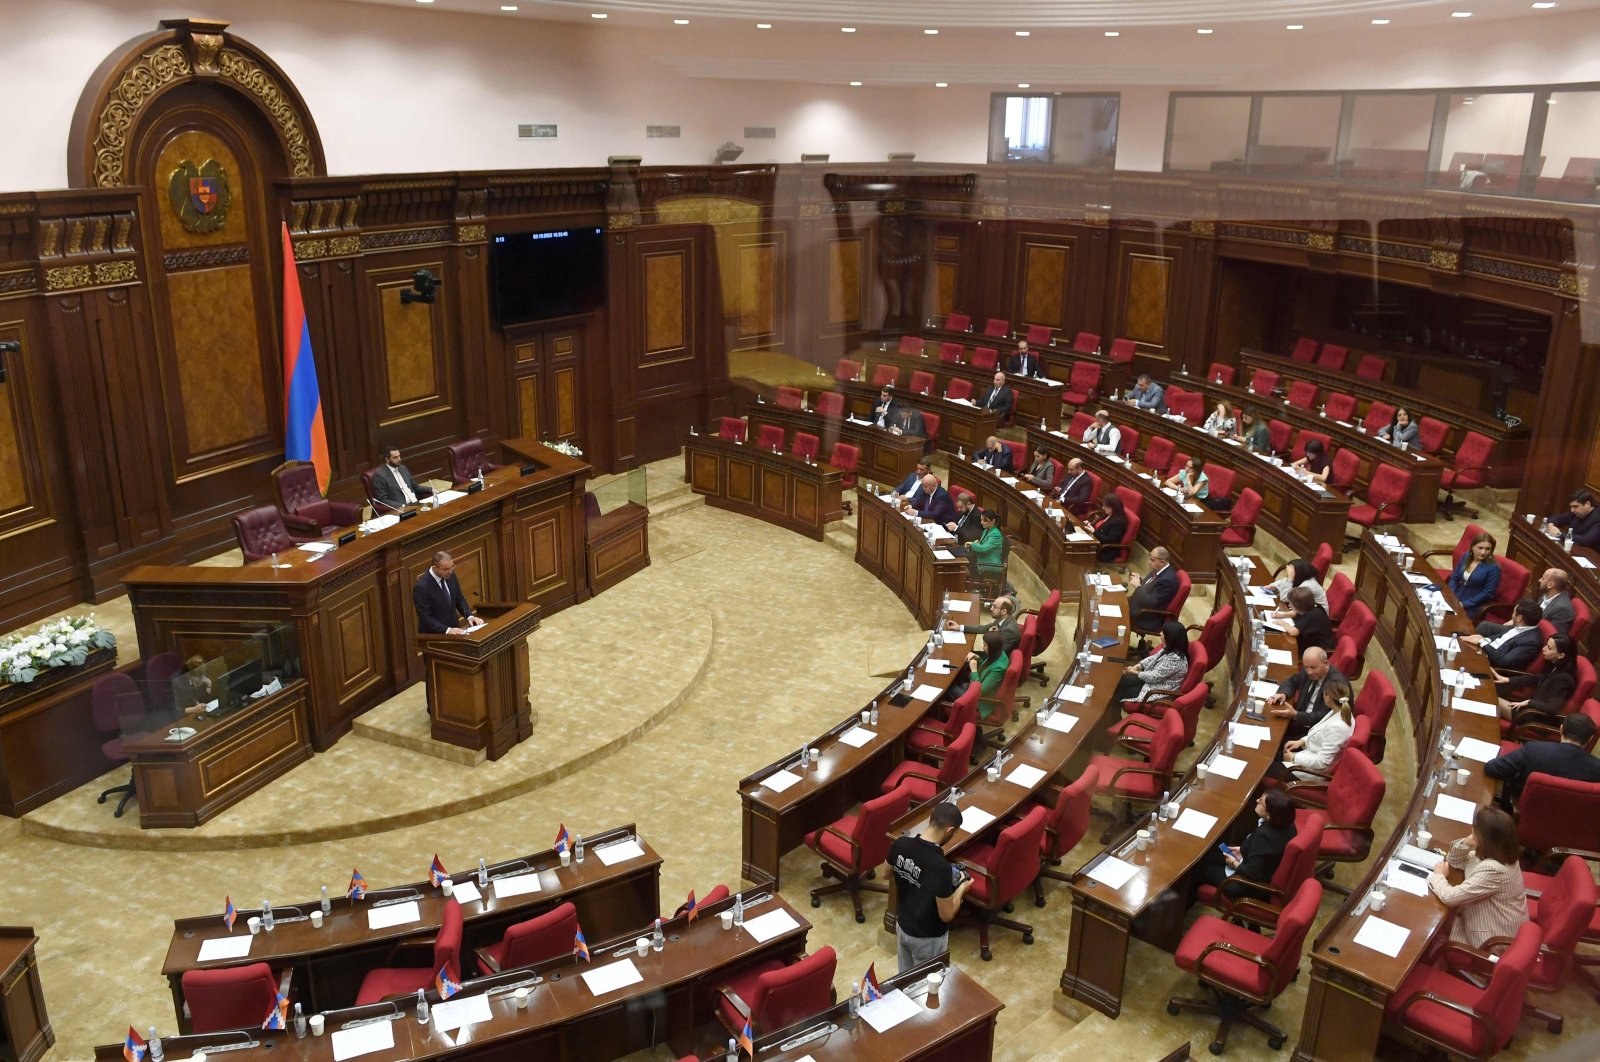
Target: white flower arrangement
60,643
562,446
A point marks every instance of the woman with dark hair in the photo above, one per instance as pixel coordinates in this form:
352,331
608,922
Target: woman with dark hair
1477,575
1316,462
1491,900
1253,432
1110,526
1191,480
1402,431
1257,859
1307,621
1299,572
988,670
1221,421
1161,672
1551,688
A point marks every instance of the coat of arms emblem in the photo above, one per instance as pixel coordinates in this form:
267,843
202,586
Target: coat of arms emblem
200,195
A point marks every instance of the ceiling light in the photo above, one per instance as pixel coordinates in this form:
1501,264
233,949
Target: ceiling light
763,25
1461,14
508,7
1024,33
1380,22
855,84
680,22
1545,5
1112,33
1205,32
424,1
931,32
941,84
847,29
598,14
1023,84
1294,26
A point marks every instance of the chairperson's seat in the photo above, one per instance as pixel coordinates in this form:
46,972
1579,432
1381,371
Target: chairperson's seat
261,533
306,512
467,459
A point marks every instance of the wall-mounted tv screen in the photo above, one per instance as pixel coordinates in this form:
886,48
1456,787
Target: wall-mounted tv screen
534,276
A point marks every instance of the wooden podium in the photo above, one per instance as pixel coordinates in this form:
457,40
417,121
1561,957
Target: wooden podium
25,1032
478,682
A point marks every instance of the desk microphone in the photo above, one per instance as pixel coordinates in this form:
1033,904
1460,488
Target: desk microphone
409,893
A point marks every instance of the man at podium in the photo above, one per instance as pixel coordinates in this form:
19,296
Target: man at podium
439,599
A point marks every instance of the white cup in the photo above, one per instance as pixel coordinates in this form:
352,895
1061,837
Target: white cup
935,979
317,1021
1143,839
1463,776
447,887
1122,630
993,774
1378,900
816,753
1424,839
1040,716
1200,772
1088,691
727,919
255,924
566,859
642,946
866,718
521,996
316,919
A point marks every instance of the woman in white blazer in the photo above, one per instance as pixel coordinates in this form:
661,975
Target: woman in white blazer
1320,749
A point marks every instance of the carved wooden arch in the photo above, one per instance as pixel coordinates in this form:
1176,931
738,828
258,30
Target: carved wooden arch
183,52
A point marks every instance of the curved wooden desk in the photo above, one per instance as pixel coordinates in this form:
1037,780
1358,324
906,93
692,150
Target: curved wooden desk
775,487
1037,398
961,424
897,551
885,456
1057,354
1539,552
1058,544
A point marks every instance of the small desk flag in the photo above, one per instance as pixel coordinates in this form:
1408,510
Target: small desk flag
358,885
229,912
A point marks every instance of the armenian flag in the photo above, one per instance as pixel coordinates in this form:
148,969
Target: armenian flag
580,947
747,1042
229,912
133,1048
305,438
869,984
278,1016
691,909
444,984
563,842
437,873
358,885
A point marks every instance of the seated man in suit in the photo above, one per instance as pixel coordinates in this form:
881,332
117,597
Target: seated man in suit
995,454
886,411
965,526
1581,520
1299,698
1147,394
1000,398
1516,646
1154,589
932,501
907,421
1567,758
1025,362
1103,435
1077,489
1004,620
908,485
392,486
1555,605
439,599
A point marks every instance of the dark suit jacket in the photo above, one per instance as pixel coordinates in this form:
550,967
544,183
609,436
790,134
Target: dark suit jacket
891,417
437,609
1559,758
1315,629
1109,532
1585,530
908,485
909,421
1075,491
937,506
1311,709
1154,592
968,526
1010,634
1475,590
1559,611
387,491
1518,653
999,399
1002,460
1028,365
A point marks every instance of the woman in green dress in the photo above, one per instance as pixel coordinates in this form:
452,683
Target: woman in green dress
988,671
987,551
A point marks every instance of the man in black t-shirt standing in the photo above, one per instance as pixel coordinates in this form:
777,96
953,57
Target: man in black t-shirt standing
928,888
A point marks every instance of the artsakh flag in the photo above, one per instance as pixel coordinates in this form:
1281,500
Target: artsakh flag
229,912
563,842
747,1042
305,438
437,873
358,885
869,984
133,1048
278,1016
580,947
446,985
691,909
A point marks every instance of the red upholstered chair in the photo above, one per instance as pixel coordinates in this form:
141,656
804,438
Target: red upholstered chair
1463,544
545,937
1138,729
1221,479
1371,367
886,376
1244,970
717,894
1344,658
466,460
1581,618
1191,405
1561,905
384,982
732,428
921,383
1558,813
1045,615
1344,469
1514,579
1001,872
1305,349
1019,454
236,997
911,346
1213,634
1264,381
1241,529
1078,425
1339,406
1340,593
1086,343
847,459
1132,500
1302,393
772,994
1304,436
806,446
1158,454
1122,351
1386,498
985,358
770,437
261,533
1431,434
1357,625
994,712
1350,799
922,782
1436,1005
1199,664
846,370
855,845
1332,357
1040,335
830,404
1128,445
997,326
1468,469
931,423
958,389
1065,826
1128,538
1379,416
950,353
306,513
1321,559
1149,620
1083,383
1222,374
1279,435
789,397
958,322
930,739
1141,783
116,706
159,671
1538,884
1295,867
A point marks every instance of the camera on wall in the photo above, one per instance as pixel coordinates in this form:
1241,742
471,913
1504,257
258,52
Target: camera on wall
424,288
7,346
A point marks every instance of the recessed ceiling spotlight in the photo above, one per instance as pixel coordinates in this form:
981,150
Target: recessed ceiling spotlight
1023,84
1545,5
1380,22
941,84
1294,26
598,14
1024,33
680,22
847,29
931,32
1205,32
424,1
1113,33
1461,14
508,7
855,84
763,25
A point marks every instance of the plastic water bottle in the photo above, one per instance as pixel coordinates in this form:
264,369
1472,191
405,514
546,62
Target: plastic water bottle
874,716
1161,808
733,1051
658,939
422,1007
577,848
1444,736
855,1001
483,874
299,1023
911,679
157,1052
1422,822
327,904
267,921
738,909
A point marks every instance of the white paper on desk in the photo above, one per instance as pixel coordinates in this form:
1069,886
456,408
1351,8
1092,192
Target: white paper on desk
1111,611
1009,481
1025,775
778,781
1278,625
1454,808
316,547
1075,694
1442,641
614,976
1191,507
1227,766
397,914
1048,382
1061,721
1113,872
952,638
449,496
1195,823
1462,704
1584,562
1450,674
939,534
1417,857
378,523
1399,879
1383,937
516,885
1080,536
925,692
1260,600
857,736
770,925
363,1040
466,892
1473,749
1279,656
621,852
937,666
1418,580
452,1014
885,1013
224,948
1232,442
1262,689
943,554
1033,495
960,605
1250,735
975,819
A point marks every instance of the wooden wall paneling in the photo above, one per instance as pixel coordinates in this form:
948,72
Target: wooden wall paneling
411,358
760,311
1148,306
946,275
1088,298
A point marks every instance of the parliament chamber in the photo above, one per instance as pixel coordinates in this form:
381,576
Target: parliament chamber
573,604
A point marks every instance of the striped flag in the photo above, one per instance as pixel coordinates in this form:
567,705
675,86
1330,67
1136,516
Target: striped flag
691,909
437,873
580,947
358,885
305,438
444,984
563,842
229,912
869,984
278,1016
747,1042
133,1048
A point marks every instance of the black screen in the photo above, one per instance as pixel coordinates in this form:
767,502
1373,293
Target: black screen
538,275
